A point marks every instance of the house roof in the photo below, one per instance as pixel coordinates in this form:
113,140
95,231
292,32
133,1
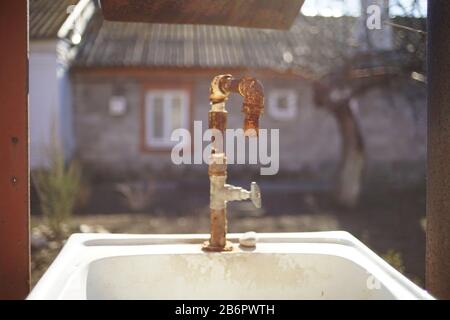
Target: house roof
141,44
313,44
47,16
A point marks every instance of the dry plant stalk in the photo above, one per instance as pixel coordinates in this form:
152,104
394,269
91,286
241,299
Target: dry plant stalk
58,187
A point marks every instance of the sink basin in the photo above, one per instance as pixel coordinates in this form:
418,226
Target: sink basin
320,265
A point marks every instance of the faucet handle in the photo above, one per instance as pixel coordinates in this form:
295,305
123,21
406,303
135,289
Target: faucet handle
255,195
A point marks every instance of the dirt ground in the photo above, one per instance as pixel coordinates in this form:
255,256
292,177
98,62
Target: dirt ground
390,222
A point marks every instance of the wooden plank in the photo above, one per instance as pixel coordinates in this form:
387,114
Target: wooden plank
438,175
270,14
14,178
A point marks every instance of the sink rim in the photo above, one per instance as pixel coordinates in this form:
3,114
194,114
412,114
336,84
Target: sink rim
82,249
105,239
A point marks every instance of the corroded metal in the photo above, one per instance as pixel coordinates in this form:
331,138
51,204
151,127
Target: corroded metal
217,241
221,192
269,14
219,90
217,165
253,105
217,120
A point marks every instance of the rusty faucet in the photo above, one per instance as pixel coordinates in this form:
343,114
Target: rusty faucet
221,192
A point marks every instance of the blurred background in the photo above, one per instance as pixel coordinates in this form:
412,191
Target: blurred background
349,99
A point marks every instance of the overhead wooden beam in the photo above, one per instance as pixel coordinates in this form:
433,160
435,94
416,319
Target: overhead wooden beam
14,178
438,178
269,14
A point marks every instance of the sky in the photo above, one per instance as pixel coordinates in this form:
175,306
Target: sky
337,8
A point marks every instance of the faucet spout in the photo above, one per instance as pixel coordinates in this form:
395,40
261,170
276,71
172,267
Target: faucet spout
221,192
253,104
250,89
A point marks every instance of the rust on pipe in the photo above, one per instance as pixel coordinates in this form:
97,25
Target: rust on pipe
269,14
218,216
14,177
217,120
218,240
253,106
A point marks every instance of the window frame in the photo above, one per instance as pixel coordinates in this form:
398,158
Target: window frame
167,91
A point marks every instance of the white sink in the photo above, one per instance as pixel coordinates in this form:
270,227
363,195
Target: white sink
320,265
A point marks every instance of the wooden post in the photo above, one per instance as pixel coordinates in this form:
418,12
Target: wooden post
438,180
14,178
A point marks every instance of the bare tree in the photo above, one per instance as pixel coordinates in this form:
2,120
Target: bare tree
359,59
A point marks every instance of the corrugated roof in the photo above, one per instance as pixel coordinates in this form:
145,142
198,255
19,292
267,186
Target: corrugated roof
141,44
315,44
47,16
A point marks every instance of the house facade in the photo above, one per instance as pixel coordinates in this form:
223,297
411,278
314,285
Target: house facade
133,83
56,28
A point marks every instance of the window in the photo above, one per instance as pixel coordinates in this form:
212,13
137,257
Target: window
283,104
165,111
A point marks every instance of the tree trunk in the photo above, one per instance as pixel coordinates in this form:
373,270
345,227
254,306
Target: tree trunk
348,182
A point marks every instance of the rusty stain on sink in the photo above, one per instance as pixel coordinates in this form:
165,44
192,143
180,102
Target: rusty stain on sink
228,269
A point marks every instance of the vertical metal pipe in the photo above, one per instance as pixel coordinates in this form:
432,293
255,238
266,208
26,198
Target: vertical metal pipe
438,175
219,223
14,179
253,106
218,174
